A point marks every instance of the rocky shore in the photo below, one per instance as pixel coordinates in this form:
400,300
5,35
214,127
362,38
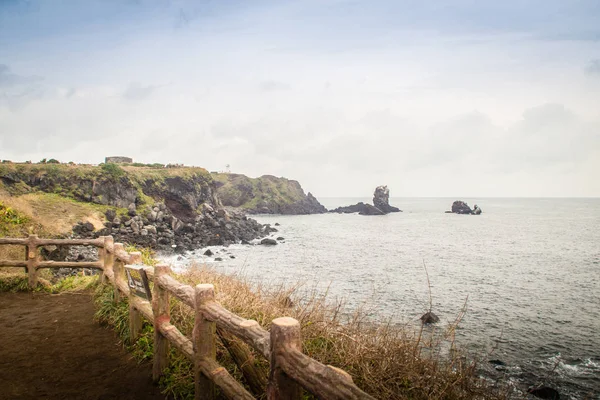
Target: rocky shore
158,228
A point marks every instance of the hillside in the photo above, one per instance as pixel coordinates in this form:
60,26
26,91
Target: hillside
152,206
265,195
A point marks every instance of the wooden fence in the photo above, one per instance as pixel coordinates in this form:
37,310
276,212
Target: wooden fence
290,369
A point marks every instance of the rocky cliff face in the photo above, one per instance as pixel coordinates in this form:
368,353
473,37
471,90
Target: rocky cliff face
265,195
158,207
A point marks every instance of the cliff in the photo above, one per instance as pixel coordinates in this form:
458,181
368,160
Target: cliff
152,206
265,195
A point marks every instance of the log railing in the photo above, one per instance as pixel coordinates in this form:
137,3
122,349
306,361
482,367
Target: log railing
290,369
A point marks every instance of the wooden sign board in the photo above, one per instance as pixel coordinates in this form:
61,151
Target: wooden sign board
138,281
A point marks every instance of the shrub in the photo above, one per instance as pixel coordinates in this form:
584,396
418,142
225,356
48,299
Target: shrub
112,170
53,161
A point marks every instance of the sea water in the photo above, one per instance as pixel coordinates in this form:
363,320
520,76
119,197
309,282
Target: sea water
530,269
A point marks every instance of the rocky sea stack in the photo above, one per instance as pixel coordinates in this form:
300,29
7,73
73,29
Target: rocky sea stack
381,205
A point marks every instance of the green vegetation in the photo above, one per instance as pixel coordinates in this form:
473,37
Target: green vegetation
249,193
81,182
112,170
11,281
10,219
387,362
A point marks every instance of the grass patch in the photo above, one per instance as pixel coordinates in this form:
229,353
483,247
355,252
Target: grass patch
48,214
15,280
387,361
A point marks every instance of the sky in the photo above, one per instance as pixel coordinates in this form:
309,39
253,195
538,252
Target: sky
457,98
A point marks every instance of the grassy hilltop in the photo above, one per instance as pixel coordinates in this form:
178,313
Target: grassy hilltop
266,194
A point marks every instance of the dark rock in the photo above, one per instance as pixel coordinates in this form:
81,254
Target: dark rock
218,259
268,241
131,209
110,215
54,253
371,210
429,318
231,256
381,200
497,362
208,253
544,392
276,223
356,208
280,238
460,207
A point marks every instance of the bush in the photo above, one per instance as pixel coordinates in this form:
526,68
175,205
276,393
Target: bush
53,161
112,170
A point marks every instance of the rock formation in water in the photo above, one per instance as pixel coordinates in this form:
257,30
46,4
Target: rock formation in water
381,205
381,200
460,207
429,318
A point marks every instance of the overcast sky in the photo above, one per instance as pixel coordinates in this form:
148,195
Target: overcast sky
433,98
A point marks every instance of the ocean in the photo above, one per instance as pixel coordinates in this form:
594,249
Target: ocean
528,270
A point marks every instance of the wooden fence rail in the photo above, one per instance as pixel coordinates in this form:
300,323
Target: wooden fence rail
290,369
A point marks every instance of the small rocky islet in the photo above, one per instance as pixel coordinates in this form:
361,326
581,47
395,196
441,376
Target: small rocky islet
381,204
460,207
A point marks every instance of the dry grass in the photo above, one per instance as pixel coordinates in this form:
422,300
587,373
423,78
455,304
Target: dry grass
389,362
52,214
44,214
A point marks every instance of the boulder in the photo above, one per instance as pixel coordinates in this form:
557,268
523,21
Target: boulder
110,215
381,200
218,259
131,209
208,253
280,238
429,318
268,241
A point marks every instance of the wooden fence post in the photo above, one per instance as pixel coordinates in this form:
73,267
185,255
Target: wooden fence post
102,258
285,334
118,271
205,345
32,261
161,311
135,317
108,257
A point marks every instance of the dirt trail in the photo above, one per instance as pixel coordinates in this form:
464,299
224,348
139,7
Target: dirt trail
51,348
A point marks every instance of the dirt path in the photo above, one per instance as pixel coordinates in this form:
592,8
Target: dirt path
51,348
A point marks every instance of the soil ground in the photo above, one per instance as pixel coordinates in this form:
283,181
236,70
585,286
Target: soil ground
51,348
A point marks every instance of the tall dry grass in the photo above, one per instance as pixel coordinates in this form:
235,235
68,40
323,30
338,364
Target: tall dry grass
385,360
